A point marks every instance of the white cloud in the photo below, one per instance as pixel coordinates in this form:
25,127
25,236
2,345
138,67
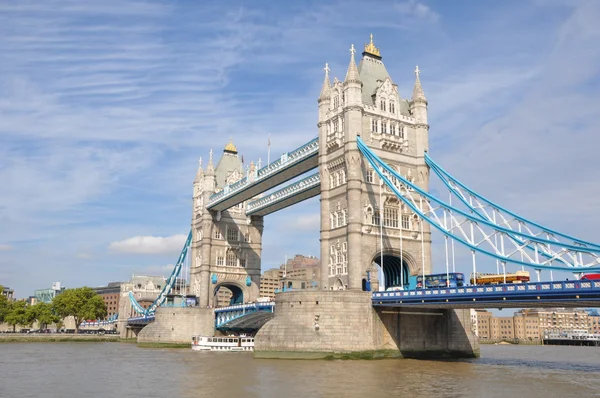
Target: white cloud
5,248
149,245
414,8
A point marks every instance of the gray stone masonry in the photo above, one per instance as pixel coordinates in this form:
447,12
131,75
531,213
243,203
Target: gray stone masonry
178,325
337,323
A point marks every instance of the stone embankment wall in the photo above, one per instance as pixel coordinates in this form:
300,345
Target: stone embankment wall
178,325
322,324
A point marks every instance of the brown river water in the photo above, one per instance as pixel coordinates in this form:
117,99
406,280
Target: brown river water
124,370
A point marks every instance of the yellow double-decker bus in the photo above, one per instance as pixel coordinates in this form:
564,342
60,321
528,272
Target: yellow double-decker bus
496,279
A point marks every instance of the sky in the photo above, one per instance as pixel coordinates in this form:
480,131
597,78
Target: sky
106,106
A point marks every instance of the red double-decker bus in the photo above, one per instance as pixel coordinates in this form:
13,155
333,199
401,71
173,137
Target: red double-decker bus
591,277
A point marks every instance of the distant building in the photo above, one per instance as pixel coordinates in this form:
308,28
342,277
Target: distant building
270,281
47,295
531,324
594,322
111,294
299,272
8,292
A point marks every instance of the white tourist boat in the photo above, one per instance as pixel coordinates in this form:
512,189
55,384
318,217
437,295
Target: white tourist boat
225,343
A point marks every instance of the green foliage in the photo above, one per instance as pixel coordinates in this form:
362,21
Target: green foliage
81,303
4,305
44,314
18,314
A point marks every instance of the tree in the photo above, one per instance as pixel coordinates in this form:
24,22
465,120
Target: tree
44,314
4,304
81,303
18,314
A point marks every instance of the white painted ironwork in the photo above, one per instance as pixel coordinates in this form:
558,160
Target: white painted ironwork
478,234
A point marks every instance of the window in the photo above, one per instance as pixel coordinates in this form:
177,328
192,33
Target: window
218,234
247,237
337,179
220,260
383,127
340,218
243,262
370,176
375,217
338,257
344,217
335,222
345,246
343,176
231,259
392,107
405,221
382,105
336,101
232,234
332,219
335,126
401,130
390,217
393,129
374,125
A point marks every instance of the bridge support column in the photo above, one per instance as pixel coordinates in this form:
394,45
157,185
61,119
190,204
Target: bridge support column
178,325
429,333
344,324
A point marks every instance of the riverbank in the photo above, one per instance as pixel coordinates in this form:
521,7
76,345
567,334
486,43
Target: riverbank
58,338
85,338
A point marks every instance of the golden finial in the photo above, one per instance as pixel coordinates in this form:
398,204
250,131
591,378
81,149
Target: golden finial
371,49
230,147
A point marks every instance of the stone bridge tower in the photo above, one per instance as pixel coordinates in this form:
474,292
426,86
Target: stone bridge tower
226,246
367,104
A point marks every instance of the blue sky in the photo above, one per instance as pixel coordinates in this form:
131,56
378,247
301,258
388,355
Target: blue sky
105,107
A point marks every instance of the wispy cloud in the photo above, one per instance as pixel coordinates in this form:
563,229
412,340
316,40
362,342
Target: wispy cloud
5,248
418,10
102,117
149,245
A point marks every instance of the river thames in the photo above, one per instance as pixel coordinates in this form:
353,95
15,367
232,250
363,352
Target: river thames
124,370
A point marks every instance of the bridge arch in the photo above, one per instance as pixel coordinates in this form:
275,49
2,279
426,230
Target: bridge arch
236,290
396,268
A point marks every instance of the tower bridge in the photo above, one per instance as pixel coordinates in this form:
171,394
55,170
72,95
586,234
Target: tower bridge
373,174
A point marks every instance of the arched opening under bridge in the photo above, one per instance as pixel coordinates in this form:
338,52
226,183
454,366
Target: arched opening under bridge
395,272
228,294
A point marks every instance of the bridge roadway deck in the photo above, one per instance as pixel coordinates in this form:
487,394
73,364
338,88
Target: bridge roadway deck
526,295
288,167
296,192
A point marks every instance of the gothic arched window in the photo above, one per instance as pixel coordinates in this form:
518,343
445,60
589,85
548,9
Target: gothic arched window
231,259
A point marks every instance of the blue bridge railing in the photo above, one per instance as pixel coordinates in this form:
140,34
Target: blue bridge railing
571,291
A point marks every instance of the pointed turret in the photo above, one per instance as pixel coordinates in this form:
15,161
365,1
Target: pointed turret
326,89
418,94
200,172
210,169
352,75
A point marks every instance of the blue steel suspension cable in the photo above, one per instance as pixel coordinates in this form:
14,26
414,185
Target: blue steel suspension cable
375,161
465,214
447,176
169,283
515,239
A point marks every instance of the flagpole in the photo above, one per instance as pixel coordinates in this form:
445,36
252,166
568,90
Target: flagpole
269,150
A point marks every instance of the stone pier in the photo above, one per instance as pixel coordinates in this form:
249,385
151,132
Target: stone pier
343,324
178,325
